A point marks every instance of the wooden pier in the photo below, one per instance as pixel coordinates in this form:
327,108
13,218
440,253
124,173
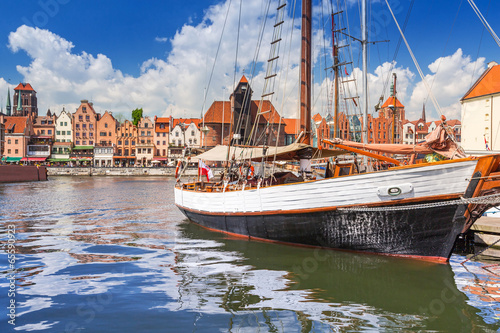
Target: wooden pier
486,232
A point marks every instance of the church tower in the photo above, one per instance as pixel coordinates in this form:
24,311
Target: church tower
25,101
8,107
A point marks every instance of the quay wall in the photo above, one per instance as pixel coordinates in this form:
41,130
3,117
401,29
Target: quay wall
130,171
20,173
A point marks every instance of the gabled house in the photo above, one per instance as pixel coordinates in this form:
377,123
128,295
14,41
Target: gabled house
18,131
481,113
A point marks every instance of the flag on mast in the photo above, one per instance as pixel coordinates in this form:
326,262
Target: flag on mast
204,169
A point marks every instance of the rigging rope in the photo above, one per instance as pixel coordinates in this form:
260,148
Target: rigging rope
484,22
434,101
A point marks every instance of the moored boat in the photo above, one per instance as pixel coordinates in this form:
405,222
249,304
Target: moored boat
416,210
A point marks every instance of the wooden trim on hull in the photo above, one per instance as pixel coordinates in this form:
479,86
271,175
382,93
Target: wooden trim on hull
402,202
425,234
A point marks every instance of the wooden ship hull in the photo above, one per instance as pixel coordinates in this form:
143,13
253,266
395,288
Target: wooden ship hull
411,211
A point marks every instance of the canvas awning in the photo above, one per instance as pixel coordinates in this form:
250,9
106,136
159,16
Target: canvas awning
290,152
12,159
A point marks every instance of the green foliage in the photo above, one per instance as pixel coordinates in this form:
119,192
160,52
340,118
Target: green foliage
136,116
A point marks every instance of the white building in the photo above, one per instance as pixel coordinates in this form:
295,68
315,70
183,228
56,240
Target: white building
481,114
103,156
186,129
409,133
64,127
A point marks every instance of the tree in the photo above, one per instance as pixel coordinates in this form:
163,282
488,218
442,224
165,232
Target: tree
136,116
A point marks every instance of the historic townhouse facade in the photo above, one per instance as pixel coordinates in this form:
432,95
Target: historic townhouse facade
84,124
106,130
145,147
126,138
161,136
18,132
64,127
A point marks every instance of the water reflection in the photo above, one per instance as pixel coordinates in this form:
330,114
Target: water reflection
345,290
95,251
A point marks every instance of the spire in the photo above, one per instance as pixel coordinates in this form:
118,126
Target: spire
8,107
423,113
19,102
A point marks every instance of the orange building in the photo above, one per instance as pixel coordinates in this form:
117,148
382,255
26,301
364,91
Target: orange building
144,146
106,130
18,131
85,124
161,136
126,138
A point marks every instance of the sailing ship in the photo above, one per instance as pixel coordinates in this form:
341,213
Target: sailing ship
416,210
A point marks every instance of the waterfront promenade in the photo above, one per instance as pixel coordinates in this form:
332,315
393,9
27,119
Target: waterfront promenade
129,171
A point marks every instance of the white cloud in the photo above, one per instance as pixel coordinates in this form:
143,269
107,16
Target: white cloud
161,39
450,78
176,84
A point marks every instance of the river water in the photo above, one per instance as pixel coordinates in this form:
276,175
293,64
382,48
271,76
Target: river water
113,254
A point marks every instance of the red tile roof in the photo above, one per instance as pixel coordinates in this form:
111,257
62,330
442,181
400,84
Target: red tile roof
216,111
24,86
188,121
291,125
390,101
487,84
453,122
17,124
218,108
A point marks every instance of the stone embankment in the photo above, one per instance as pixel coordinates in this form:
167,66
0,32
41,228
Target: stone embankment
93,171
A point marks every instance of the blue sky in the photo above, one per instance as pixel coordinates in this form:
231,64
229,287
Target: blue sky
158,54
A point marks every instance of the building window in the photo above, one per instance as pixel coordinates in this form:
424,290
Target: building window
149,133
49,132
87,118
77,143
149,150
84,109
146,125
17,151
176,134
133,143
157,143
80,118
8,151
16,141
164,134
164,143
126,142
8,141
58,132
105,125
120,142
77,126
142,133
192,133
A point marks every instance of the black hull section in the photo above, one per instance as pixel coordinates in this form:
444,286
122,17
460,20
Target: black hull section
426,233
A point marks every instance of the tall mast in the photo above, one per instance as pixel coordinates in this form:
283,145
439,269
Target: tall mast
335,82
305,72
364,44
